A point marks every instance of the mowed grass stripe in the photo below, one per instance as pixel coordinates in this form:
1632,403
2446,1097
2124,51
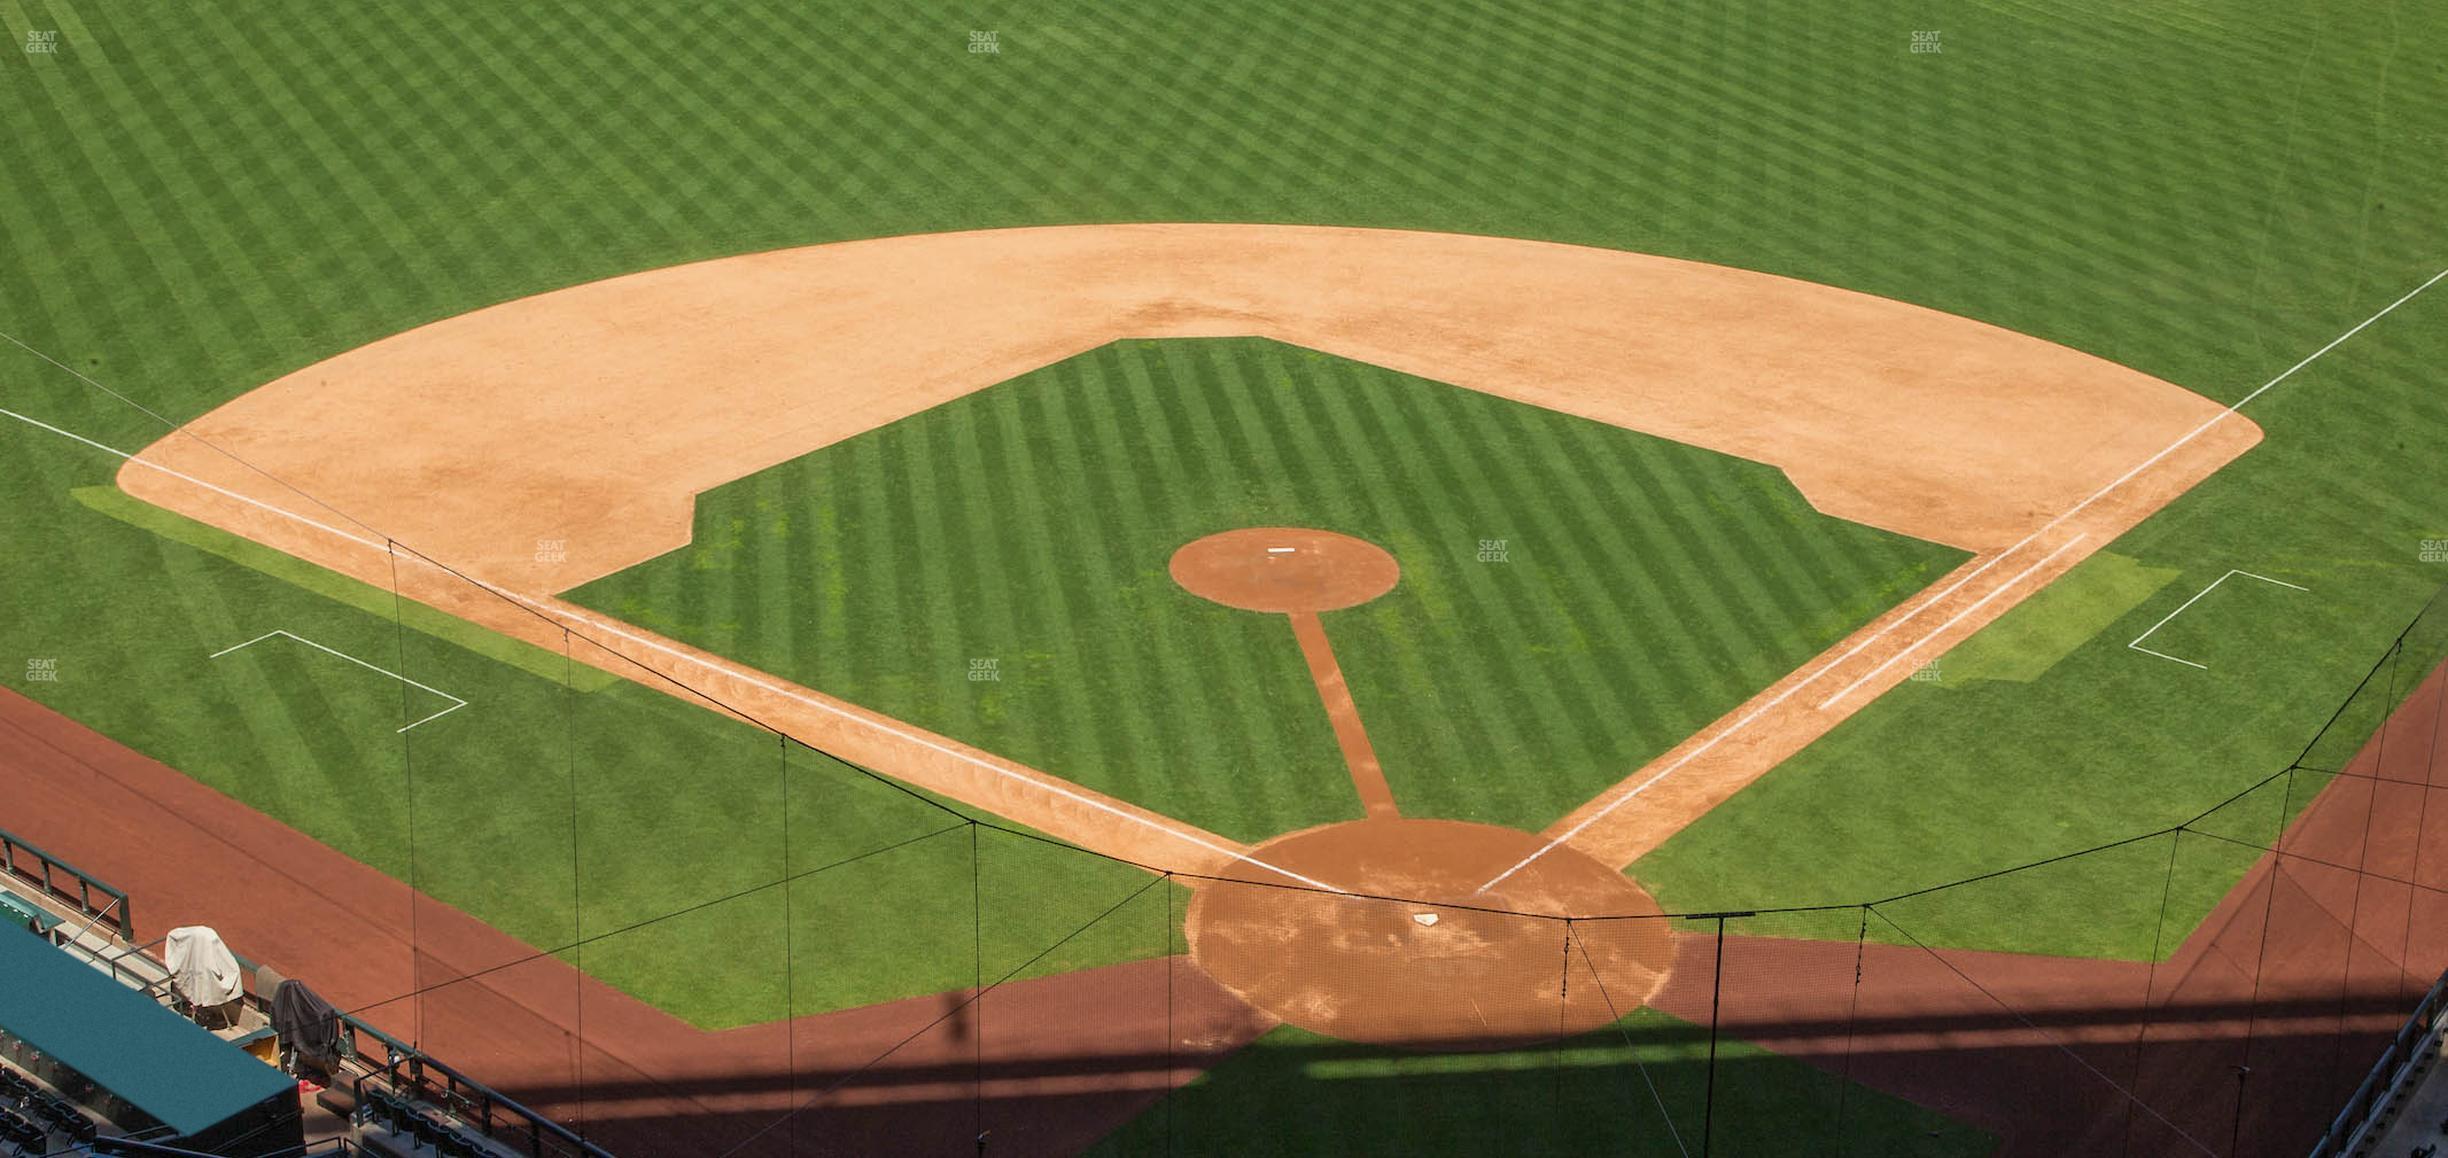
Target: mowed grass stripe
1261,714
1378,656
117,158
1608,566
1797,591
1464,435
1639,570
1023,593
1624,645
1421,487
346,194
537,127
1269,684
1109,416
1134,745
1304,478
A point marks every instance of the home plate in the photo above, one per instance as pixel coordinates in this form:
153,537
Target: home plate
1425,918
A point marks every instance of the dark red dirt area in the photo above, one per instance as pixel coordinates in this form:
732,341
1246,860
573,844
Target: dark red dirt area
1043,1067
2245,1042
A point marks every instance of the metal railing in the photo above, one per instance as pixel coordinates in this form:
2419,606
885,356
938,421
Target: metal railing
2417,1038
65,882
408,1071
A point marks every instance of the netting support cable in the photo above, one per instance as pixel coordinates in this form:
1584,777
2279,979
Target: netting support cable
2269,912
2150,986
1616,1015
977,1022
1708,1100
790,954
2406,979
1844,1088
958,1009
2053,1040
416,961
1563,1020
1164,943
569,717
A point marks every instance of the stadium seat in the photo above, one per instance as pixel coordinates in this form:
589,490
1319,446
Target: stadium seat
384,1110
23,1135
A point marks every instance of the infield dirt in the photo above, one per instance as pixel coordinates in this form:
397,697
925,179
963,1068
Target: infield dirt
592,416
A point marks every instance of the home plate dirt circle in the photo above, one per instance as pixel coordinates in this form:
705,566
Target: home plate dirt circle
1285,569
1443,970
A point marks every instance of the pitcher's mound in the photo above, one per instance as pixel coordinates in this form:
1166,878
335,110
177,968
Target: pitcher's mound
1430,964
1287,569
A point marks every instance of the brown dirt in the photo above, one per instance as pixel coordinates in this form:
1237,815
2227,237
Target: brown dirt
1359,756
1047,1065
2298,975
592,416
1285,569
1642,810
1300,572
2257,1028
1413,958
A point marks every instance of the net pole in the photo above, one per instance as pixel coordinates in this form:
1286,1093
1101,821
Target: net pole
1708,1102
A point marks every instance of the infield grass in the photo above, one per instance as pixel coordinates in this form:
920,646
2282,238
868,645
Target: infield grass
1575,598
2206,191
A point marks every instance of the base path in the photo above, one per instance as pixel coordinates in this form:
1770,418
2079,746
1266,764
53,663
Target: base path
2257,1029
1047,1065
2299,975
591,417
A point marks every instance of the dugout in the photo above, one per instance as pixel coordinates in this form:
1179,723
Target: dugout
145,1069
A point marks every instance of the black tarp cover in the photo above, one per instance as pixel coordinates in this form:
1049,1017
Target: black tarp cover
307,1024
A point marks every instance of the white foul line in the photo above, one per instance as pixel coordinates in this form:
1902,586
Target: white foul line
1045,785
230,494
600,624
2223,414
456,702
2137,640
1956,618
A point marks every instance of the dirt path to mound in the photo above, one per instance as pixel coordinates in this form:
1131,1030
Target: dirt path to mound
2299,974
589,418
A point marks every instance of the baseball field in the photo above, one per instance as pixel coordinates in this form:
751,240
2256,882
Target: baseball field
1268,578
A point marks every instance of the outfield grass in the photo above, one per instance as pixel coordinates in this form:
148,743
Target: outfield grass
1936,782
578,812
2206,192
1644,588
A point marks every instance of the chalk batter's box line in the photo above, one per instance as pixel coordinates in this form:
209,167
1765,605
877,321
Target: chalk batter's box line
2136,643
456,702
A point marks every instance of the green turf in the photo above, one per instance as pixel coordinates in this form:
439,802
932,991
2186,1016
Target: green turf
196,202
1937,782
2052,623
1639,1087
1644,587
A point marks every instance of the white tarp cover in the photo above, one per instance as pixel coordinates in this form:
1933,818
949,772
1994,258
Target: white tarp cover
202,968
